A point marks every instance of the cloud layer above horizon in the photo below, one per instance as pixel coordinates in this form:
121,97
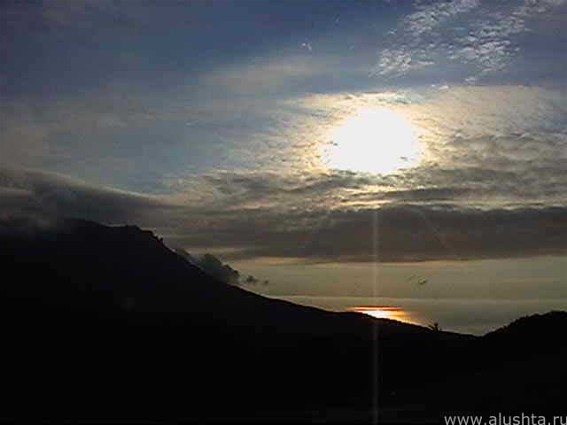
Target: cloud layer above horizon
410,225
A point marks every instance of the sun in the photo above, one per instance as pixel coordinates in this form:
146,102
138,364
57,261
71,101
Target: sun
373,140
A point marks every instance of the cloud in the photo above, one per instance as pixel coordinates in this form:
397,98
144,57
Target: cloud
433,15
36,193
494,144
123,135
261,215
24,140
483,36
120,134
58,15
36,130
477,213
405,233
266,74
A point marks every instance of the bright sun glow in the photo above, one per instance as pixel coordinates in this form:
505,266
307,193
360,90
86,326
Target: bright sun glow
374,140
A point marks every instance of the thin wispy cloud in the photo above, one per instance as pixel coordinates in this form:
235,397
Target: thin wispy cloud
266,75
480,35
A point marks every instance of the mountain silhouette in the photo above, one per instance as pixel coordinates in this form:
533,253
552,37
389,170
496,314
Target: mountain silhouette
104,322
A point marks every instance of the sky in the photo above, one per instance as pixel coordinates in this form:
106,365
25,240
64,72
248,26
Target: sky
314,143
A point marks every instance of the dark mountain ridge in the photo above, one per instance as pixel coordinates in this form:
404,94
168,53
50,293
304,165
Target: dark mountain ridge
107,322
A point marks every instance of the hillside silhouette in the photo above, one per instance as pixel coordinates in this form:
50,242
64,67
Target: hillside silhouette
104,322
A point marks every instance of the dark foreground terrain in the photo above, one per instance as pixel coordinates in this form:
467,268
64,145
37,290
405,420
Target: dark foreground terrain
107,323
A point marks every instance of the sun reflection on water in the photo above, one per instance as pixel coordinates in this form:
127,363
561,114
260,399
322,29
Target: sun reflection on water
385,312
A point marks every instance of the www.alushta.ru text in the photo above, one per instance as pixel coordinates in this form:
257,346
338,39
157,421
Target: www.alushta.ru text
501,419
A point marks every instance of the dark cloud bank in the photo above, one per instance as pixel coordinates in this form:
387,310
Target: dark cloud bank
406,231
39,194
